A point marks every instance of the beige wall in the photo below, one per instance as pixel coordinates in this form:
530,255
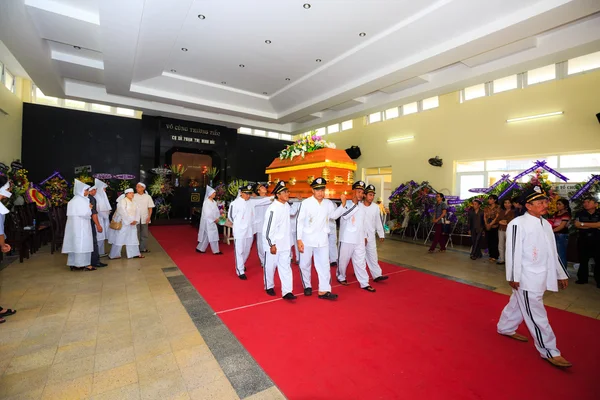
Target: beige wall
10,124
477,130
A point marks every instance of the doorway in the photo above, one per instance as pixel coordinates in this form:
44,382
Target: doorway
381,178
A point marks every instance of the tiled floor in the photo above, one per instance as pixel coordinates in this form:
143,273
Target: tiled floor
123,332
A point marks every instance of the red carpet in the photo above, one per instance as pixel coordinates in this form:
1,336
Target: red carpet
419,337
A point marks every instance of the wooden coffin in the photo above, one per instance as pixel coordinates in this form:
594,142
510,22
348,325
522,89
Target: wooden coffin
332,164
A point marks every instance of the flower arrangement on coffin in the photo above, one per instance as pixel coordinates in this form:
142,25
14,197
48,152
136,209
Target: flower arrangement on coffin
308,144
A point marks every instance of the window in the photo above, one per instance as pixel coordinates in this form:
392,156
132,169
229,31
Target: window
470,166
321,132
333,128
583,63
100,108
43,99
80,105
285,136
375,117
347,125
125,111
273,135
470,182
410,108
245,131
9,80
542,74
473,92
581,176
519,163
392,113
504,84
258,132
432,102
580,161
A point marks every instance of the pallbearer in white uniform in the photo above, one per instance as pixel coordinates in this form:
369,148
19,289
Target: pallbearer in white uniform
208,233
295,209
241,213
373,225
353,237
260,203
276,234
333,250
312,240
532,267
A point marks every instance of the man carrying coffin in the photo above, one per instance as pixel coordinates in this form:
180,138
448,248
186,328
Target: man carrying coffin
260,204
312,239
373,225
532,267
241,213
276,234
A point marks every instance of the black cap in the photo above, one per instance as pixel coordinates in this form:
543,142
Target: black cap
358,185
318,183
248,189
370,189
258,185
535,193
280,187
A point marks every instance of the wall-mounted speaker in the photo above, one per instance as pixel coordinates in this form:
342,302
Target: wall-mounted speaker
353,152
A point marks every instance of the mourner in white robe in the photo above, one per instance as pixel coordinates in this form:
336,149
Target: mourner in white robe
78,241
241,214
104,208
373,227
4,192
208,231
127,212
532,263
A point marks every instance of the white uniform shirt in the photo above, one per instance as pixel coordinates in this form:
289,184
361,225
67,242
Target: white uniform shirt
294,209
313,222
352,224
332,207
531,256
260,205
241,213
143,203
276,227
373,222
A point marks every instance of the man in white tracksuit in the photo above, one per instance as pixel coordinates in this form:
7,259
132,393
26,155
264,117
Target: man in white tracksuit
294,209
312,239
241,214
277,238
532,267
373,225
333,253
260,208
353,237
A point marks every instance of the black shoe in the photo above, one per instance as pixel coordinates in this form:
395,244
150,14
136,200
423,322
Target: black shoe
100,265
333,264
218,254
328,296
289,296
500,262
201,252
344,282
369,289
380,278
271,292
580,282
243,277
308,291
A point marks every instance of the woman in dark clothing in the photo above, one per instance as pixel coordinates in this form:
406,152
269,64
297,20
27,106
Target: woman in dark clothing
439,214
476,228
560,227
491,226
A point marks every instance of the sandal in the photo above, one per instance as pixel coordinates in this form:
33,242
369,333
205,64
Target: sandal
369,289
344,283
89,269
328,296
140,256
6,312
145,251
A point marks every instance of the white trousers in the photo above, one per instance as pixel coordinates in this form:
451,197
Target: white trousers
356,253
529,306
372,259
131,251
281,261
501,244
79,259
242,251
321,256
296,253
101,250
214,246
260,248
333,256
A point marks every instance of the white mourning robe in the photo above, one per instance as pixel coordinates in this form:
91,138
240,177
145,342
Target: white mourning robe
78,240
373,225
532,260
260,205
104,208
352,242
241,214
208,231
127,212
313,230
276,231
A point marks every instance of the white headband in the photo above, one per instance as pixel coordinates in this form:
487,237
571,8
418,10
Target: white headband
142,185
4,190
130,190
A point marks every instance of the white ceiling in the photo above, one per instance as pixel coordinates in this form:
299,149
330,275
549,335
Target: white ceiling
130,52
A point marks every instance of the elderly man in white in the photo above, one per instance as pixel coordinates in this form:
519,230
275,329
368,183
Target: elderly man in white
241,213
129,216
144,203
78,242
104,208
532,267
208,233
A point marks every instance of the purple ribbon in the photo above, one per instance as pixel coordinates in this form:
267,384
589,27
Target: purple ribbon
541,164
455,202
508,189
495,185
54,175
478,190
125,177
585,187
102,176
39,189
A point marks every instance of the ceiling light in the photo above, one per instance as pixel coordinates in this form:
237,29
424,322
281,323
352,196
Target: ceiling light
77,47
242,65
318,60
535,116
267,41
287,79
400,138
223,83
200,16
362,34
173,70
183,49
306,6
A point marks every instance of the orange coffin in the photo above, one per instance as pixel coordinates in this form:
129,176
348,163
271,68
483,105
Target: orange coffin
332,164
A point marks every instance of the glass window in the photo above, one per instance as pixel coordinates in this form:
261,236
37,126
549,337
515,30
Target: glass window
9,80
321,132
258,132
125,111
473,92
470,166
583,63
580,161
410,108
285,136
273,135
375,117
542,74
470,182
432,102
43,99
244,130
580,176
392,113
80,105
347,125
100,108
519,164
504,84
333,128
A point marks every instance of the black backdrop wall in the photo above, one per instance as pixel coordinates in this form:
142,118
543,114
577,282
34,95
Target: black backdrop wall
58,139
